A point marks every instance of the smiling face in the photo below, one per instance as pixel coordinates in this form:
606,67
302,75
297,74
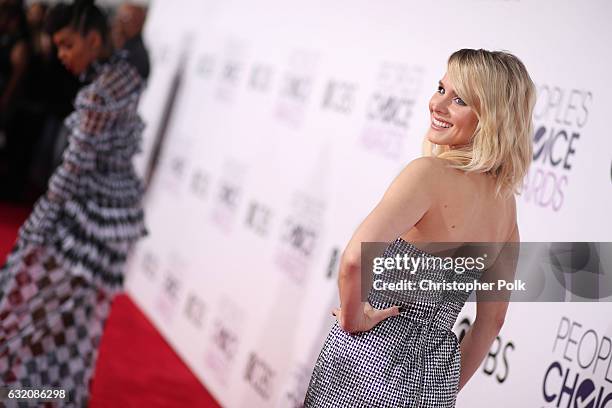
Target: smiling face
453,122
75,50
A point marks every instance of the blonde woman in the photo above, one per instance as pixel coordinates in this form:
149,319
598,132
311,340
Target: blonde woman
384,354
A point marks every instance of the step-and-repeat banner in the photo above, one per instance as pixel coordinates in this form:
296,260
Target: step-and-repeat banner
283,125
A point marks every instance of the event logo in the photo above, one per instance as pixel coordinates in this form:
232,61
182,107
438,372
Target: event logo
176,172
581,370
339,96
224,346
231,73
299,236
174,167
220,356
199,183
177,166
296,88
204,66
389,109
260,79
559,117
150,265
168,297
259,375
171,286
194,310
258,218
228,196
496,364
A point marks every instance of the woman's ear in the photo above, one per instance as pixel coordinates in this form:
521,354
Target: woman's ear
93,39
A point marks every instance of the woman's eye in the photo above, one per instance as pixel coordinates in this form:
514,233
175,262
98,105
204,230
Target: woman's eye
440,90
460,101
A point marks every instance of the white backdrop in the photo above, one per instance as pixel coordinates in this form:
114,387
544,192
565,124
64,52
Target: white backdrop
290,122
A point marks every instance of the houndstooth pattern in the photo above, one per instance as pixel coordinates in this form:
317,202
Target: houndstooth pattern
407,361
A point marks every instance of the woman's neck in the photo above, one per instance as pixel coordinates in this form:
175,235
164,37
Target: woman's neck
105,53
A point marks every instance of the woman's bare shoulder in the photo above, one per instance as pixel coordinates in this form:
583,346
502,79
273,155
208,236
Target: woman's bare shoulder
429,162
426,166
420,176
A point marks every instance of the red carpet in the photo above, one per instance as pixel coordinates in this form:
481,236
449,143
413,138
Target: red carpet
11,218
136,367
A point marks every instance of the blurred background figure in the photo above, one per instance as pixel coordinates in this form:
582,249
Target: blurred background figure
35,16
36,95
127,35
51,90
14,59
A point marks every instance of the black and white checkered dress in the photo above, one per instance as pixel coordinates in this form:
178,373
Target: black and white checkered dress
407,361
59,280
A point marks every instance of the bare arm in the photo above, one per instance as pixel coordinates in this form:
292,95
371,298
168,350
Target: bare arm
404,203
490,315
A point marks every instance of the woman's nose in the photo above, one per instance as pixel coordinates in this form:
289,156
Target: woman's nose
439,103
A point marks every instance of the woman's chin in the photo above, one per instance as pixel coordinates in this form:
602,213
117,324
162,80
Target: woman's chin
435,140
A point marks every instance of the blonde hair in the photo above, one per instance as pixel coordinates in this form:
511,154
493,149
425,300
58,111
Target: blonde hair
498,88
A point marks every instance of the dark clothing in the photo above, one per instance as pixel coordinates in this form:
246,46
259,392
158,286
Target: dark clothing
138,55
7,42
17,128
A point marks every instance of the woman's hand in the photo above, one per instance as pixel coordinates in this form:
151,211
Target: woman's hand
368,319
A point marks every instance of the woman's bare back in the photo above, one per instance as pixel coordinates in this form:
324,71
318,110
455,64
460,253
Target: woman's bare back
465,210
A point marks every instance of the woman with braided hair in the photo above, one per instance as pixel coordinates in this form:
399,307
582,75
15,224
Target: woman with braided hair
67,264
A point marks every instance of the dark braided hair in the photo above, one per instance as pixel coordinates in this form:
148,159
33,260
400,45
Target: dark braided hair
82,16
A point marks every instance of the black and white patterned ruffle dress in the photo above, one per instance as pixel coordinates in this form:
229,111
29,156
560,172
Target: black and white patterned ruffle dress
406,361
58,282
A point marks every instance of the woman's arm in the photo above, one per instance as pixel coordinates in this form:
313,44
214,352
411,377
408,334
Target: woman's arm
94,116
404,203
490,314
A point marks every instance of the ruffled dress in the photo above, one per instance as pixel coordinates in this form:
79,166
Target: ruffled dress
68,262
